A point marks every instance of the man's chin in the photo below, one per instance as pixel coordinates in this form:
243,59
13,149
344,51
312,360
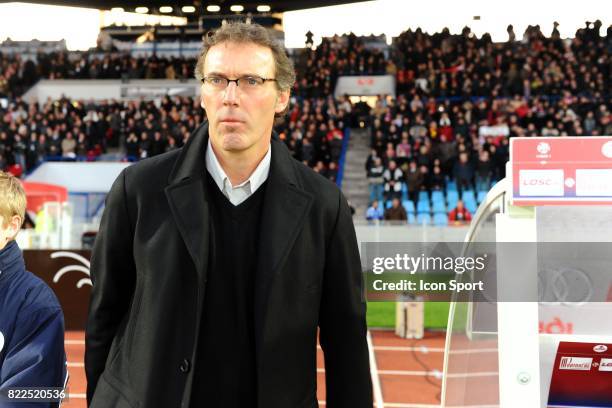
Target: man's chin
233,141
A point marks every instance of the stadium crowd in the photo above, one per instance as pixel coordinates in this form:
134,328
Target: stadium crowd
17,74
78,130
459,99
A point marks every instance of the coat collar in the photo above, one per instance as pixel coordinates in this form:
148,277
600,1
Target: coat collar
11,260
284,208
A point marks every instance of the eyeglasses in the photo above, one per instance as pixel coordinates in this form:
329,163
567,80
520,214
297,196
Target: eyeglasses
246,83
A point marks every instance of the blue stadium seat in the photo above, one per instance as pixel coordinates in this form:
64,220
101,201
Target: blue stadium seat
451,198
388,204
437,196
468,195
423,196
439,207
423,218
423,206
471,206
440,220
409,206
481,196
411,218
451,186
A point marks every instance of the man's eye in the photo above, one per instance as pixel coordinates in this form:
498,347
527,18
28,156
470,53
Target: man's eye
215,80
252,81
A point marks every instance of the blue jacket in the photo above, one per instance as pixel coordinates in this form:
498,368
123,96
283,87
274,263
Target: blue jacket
31,331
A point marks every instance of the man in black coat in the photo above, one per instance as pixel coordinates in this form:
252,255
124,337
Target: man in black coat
217,264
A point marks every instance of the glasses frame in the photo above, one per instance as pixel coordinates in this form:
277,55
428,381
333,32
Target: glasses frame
203,80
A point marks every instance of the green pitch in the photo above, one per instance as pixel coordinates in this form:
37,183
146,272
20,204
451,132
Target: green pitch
382,314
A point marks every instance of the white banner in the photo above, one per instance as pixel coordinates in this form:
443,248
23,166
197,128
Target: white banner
101,89
365,85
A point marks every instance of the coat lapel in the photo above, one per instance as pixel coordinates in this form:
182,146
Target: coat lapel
284,212
186,196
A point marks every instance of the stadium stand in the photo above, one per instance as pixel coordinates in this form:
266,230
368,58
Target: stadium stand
459,100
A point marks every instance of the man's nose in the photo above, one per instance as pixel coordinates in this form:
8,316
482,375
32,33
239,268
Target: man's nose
230,96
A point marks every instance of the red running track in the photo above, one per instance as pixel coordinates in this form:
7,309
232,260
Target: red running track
408,371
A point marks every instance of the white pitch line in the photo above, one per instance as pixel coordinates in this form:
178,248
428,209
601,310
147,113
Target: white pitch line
420,349
474,351
436,374
405,405
378,398
425,349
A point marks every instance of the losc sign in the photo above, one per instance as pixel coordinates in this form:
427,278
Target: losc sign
541,183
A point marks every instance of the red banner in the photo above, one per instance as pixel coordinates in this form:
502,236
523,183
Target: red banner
561,170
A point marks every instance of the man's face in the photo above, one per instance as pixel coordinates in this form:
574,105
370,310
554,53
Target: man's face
241,121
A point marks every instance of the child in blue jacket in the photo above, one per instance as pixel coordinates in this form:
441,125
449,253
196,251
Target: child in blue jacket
31,320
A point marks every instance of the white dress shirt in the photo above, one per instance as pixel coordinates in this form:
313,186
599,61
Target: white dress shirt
241,192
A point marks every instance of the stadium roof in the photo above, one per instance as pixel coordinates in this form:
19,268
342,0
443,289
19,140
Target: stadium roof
276,6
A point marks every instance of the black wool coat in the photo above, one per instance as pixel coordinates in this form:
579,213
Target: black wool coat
149,267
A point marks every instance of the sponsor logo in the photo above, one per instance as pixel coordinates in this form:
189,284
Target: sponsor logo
575,363
365,81
541,183
606,149
543,148
605,364
556,326
600,348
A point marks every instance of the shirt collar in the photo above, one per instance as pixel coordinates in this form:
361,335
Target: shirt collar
257,178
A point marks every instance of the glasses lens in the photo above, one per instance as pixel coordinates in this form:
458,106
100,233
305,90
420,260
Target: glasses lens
251,82
216,82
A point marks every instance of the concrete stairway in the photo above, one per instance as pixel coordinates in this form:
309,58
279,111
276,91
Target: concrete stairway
354,181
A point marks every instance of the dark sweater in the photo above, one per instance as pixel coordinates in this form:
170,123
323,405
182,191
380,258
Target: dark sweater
225,369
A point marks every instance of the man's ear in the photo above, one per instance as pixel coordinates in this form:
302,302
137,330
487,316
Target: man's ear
14,225
282,101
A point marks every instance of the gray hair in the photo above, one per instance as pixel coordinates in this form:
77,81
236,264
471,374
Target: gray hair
240,32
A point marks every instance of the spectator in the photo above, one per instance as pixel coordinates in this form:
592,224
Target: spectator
144,146
396,212
484,171
374,212
370,160
403,151
414,181
437,180
69,146
459,215
463,172
332,171
376,180
393,178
